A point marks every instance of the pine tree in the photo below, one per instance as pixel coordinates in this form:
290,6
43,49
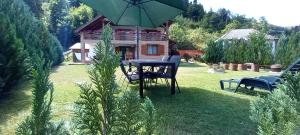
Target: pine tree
13,66
32,31
101,109
38,123
129,114
96,108
36,7
281,52
150,122
58,12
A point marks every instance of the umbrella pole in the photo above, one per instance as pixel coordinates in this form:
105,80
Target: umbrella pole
137,42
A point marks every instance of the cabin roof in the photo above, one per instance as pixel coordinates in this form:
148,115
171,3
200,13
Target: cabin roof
78,46
95,24
242,34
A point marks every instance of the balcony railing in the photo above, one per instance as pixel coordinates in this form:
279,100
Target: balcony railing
153,37
92,35
125,36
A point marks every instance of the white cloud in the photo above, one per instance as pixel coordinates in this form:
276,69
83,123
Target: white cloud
278,12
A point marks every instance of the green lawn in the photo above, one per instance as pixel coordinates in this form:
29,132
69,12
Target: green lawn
201,107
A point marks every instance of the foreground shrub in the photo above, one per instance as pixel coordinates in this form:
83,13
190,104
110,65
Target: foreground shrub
39,122
292,86
101,108
275,114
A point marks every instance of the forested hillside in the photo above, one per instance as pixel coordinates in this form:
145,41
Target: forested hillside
61,17
196,27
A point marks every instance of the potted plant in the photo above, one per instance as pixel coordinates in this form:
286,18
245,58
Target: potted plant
241,55
276,68
232,55
213,53
226,66
260,50
225,57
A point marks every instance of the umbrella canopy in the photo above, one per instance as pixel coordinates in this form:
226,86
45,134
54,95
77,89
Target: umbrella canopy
144,13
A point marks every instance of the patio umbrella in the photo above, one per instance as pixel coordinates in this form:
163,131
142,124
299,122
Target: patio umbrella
140,13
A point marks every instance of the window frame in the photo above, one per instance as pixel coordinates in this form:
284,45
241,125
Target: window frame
152,49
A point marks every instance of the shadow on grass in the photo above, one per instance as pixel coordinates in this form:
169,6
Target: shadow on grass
200,111
14,102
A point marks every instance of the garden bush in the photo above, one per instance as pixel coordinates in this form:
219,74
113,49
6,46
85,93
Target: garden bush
233,52
280,52
275,114
292,85
288,49
213,52
261,52
242,52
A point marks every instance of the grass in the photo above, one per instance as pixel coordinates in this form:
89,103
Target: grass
201,107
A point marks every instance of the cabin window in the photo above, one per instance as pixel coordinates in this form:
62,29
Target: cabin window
152,49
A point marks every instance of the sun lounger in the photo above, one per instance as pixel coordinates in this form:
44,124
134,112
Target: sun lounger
264,82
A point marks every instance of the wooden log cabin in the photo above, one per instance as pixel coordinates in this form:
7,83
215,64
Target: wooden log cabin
153,42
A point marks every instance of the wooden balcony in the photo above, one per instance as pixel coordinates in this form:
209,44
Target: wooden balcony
127,36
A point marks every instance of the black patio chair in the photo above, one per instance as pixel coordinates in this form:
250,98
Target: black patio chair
165,72
130,76
161,69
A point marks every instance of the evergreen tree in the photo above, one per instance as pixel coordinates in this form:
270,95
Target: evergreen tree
293,47
31,31
214,52
262,25
13,58
39,122
129,114
36,7
79,16
150,122
281,52
260,49
195,11
58,12
99,109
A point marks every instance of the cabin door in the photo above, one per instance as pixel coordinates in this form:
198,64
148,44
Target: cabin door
126,52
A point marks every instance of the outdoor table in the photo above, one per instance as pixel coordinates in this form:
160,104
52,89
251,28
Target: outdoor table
153,63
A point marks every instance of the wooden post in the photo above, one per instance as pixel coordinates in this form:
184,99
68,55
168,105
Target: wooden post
82,47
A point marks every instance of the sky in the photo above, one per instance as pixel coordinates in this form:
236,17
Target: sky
278,12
